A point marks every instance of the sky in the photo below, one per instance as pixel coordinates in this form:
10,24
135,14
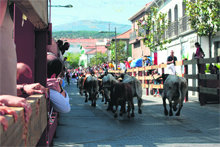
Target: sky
118,11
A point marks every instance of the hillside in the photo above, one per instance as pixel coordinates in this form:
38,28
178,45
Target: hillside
82,34
91,25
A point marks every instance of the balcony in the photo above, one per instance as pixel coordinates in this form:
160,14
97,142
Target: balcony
133,37
174,29
184,24
178,27
141,31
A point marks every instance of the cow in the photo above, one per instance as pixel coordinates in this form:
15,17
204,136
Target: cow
107,82
136,88
90,84
101,90
120,94
175,89
80,84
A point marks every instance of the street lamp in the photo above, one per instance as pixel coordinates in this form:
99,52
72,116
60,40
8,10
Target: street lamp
65,6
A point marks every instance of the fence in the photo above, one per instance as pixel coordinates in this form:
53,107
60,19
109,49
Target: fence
208,84
22,134
38,132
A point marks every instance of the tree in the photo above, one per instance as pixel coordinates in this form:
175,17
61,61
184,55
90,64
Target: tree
205,18
72,58
121,52
98,59
154,26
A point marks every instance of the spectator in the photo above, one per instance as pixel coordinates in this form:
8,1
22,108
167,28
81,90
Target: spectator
23,69
127,65
59,44
65,47
147,61
68,77
213,69
155,81
122,66
200,54
58,96
110,65
171,63
9,68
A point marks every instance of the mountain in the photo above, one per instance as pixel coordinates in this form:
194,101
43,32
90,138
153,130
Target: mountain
92,25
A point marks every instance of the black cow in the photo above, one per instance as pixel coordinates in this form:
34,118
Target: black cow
90,84
120,94
136,88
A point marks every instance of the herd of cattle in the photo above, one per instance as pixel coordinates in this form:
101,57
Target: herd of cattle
121,89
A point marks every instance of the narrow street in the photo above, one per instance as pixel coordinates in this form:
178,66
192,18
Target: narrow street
86,126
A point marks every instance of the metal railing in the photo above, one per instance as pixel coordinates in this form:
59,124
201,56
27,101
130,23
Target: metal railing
133,36
174,29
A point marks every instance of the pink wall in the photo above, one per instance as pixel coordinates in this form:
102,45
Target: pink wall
25,43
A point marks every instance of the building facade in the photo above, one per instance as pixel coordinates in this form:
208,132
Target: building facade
137,42
179,31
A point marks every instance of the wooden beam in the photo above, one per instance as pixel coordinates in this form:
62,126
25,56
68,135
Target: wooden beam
191,76
208,60
37,124
35,10
162,65
193,88
213,91
193,61
209,76
179,63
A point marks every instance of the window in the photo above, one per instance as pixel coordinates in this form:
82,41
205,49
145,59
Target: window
169,16
137,44
184,9
176,20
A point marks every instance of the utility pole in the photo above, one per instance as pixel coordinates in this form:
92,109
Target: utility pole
108,41
116,50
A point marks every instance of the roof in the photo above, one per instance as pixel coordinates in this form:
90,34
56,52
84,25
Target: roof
140,11
78,40
100,49
125,35
88,47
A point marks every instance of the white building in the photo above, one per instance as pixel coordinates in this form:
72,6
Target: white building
182,36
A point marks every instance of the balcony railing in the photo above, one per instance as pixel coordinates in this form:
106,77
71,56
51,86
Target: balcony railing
184,24
141,31
133,36
174,29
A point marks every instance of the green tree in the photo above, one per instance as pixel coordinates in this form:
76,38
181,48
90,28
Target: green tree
205,17
121,52
72,58
154,26
98,59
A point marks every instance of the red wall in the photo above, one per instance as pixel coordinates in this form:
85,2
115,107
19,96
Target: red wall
25,44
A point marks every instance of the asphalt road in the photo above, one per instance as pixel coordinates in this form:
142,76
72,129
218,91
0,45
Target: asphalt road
86,126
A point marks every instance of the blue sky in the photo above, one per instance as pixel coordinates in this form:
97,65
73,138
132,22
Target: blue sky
118,11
